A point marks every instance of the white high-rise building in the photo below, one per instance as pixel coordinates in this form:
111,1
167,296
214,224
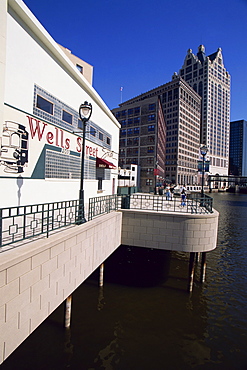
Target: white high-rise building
209,78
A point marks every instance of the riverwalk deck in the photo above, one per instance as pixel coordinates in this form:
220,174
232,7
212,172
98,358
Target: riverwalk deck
25,222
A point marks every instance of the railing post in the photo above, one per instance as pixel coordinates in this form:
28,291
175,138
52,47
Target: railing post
1,226
125,202
47,223
65,212
24,223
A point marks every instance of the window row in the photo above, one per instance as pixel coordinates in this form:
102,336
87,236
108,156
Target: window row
49,107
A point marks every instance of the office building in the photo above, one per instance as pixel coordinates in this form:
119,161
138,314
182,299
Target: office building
210,79
142,138
166,147
238,148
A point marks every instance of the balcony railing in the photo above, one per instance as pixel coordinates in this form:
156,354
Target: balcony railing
24,222
194,204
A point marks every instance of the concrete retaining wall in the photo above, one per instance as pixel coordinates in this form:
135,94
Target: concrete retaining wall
170,231
37,277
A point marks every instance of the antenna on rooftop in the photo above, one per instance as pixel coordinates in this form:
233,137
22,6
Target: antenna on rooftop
121,94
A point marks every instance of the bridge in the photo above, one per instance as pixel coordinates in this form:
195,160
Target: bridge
38,274
231,181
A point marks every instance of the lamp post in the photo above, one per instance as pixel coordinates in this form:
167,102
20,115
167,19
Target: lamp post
203,150
85,112
155,177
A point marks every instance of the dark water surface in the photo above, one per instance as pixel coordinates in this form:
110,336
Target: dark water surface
144,319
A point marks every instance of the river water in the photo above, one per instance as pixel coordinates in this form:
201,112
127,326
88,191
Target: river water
144,319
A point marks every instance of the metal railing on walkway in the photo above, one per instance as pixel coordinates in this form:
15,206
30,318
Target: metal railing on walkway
193,204
24,222
101,205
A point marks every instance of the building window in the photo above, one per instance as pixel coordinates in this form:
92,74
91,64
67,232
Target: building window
100,183
151,117
67,117
123,132
137,110
150,149
151,128
149,182
44,104
80,68
92,131
136,130
101,136
151,106
108,141
80,124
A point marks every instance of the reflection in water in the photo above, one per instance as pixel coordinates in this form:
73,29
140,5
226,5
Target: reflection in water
145,320
101,301
68,346
108,358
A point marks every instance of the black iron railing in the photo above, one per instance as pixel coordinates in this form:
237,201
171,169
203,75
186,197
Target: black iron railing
102,205
193,204
23,222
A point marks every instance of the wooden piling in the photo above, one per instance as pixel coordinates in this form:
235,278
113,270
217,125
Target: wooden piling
203,267
191,271
101,275
67,317
198,257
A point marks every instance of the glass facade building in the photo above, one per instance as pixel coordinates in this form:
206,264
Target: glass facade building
238,148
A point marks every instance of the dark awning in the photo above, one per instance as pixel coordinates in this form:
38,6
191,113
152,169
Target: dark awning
103,163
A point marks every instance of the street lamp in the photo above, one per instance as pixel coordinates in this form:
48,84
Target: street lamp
85,112
203,150
155,177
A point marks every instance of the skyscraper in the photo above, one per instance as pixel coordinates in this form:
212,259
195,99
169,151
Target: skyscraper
209,78
238,148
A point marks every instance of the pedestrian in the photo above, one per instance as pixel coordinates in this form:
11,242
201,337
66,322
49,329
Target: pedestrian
168,193
183,198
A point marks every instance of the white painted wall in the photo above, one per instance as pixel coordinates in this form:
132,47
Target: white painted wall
37,59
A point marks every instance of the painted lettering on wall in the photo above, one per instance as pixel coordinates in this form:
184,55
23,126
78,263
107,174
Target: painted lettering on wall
37,129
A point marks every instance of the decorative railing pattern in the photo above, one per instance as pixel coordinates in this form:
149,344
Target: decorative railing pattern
102,205
193,204
23,222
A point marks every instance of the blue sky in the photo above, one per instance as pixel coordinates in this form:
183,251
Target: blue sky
139,44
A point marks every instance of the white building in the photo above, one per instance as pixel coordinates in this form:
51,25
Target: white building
128,175
210,79
40,94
